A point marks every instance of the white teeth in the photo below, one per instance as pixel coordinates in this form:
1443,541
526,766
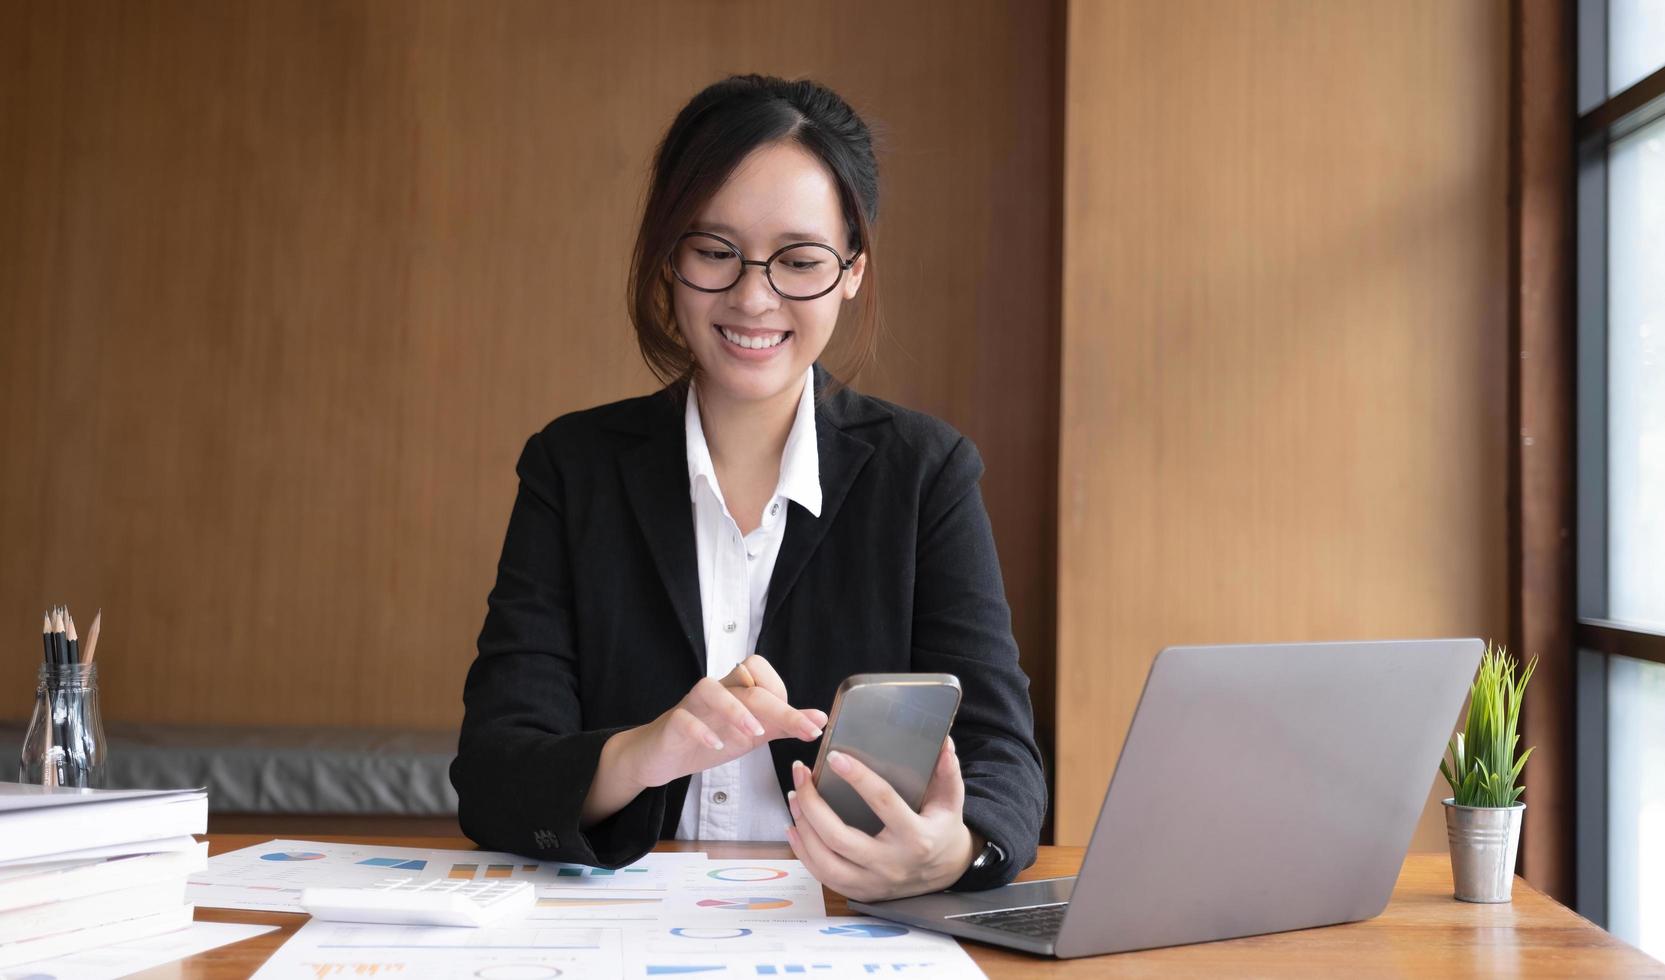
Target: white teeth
751,343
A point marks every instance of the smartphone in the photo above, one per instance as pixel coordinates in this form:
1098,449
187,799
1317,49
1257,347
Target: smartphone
895,724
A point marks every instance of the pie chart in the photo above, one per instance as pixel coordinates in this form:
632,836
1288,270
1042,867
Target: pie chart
292,856
746,874
744,904
865,930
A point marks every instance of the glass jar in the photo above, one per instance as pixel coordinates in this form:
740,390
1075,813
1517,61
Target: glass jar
64,745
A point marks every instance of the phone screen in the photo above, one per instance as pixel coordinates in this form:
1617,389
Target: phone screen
896,725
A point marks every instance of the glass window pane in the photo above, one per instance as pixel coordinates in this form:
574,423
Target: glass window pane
1636,803
1636,377
1636,41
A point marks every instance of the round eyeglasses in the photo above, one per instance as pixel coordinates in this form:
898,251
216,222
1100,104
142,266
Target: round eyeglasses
802,270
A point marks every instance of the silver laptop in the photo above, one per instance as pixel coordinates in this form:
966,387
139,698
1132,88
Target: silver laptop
1261,788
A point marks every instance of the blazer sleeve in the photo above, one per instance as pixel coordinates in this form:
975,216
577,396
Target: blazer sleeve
962,626
524,763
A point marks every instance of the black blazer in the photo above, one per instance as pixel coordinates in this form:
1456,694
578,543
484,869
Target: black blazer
594,624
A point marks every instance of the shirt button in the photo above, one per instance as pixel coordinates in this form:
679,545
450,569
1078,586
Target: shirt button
719,797
774,508
728,627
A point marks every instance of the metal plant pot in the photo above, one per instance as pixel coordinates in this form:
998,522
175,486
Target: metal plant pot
1484,840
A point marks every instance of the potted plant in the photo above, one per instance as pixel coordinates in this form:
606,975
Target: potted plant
1483,814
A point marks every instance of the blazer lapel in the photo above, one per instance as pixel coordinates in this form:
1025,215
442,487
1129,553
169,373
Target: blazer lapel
656,481
842,457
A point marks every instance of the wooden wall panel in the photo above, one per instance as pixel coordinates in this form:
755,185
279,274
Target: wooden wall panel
1283,340
284,286
1544,349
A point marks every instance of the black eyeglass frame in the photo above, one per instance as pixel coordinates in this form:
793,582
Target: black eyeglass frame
767,264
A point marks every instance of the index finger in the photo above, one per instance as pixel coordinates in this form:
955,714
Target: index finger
778,714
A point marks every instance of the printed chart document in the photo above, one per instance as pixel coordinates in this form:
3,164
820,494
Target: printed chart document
269,877
837,946
670,914
842,946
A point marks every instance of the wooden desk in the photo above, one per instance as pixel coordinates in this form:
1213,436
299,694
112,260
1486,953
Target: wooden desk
1424,932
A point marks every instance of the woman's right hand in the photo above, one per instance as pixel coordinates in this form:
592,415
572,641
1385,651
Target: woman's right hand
714,723
718,722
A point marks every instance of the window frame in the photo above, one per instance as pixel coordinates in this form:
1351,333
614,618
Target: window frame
1610,118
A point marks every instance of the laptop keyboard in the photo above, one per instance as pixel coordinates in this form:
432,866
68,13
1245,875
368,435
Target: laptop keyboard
1039,921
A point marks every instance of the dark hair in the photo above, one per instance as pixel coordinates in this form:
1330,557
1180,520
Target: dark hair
707,140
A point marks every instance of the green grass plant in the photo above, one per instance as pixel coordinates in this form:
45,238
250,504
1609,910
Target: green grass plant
1483,770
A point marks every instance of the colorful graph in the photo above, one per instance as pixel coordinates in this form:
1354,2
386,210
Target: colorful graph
865,930
770,970
745,904
676,970
470,871
292,856
579,871
398,863
710,933
746,874
590,903
356,969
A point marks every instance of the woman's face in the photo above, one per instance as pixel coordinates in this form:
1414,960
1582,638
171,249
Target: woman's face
779,194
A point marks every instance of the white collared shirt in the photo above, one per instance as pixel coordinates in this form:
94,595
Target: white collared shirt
741,800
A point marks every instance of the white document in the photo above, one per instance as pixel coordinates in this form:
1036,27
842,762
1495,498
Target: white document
732,918
37,821
126,958
270,876
845,946
23,886
158,846
18,797
839,946
322,950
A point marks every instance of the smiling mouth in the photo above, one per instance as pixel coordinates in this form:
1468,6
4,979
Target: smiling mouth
753,343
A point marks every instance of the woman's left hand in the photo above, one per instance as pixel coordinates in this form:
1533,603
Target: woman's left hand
915,853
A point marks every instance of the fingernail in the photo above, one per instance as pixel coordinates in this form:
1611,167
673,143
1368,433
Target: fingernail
714,742
797,773
950,743
811,732
839,761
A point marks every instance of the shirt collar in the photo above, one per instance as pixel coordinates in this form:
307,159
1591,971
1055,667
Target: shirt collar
800,461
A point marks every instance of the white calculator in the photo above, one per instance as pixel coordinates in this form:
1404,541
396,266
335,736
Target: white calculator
408,902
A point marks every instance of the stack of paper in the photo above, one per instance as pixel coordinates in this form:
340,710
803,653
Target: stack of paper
81,869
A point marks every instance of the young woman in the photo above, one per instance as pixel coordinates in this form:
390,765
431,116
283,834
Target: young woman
688,576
